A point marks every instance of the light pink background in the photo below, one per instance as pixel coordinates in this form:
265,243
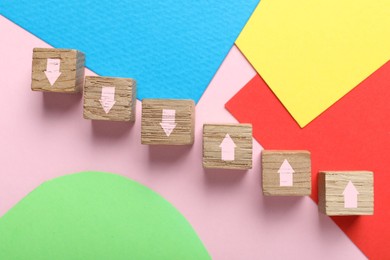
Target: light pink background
44,136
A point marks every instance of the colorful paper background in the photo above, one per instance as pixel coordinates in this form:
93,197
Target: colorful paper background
173,48
44,136
311,53
94,215
353,134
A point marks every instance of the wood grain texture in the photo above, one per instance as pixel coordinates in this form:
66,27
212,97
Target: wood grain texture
213,136
331,185
125,98
152,132
300,161
72,70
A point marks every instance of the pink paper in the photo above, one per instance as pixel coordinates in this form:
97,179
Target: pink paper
45,136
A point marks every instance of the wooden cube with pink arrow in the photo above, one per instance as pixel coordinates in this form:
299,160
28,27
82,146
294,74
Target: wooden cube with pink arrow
346,193
107,98
227,146
57,70
167,122
286,173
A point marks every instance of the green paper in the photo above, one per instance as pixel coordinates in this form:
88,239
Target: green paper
94,215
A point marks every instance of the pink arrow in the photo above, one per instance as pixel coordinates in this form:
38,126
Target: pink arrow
168,121
107,99
53,70
350,196
286,174
227,148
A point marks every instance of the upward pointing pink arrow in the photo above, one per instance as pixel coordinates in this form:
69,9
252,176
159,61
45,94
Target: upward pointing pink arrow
350,196
286,174
227,148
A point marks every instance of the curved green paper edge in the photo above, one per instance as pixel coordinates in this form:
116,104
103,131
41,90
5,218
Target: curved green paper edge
95,215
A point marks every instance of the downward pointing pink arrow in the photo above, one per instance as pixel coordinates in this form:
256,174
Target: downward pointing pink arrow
107,99
53,70
168,121
350,196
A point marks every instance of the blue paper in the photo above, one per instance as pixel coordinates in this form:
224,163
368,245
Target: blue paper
172,48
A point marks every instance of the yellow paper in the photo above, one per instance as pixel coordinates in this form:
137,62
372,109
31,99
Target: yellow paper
311,52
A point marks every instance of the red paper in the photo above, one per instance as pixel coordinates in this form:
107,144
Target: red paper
353,134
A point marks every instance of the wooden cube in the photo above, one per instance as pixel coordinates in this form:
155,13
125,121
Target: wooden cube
346,193
227,146
111,99
167,122
286,173
57,70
